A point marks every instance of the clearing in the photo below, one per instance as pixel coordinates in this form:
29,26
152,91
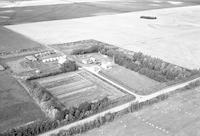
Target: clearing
16,106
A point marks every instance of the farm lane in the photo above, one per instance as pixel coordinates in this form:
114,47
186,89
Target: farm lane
91,69
139,98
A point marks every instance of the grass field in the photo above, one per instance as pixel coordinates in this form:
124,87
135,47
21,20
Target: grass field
75,88
16,106
177,116
131,80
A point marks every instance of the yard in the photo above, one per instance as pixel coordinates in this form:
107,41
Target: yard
178,115
75,88
131,80
21,66
16,106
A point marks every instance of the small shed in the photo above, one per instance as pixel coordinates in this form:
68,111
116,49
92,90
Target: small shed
1,68
30,58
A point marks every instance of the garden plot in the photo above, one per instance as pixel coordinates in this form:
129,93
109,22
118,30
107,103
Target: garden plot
178,115
74,88
133,81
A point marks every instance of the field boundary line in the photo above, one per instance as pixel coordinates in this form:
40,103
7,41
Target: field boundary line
120,107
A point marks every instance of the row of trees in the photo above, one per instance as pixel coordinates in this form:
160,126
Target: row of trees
4,53
152,67
67,66
110,116
89,49
192,85
87,126
64,117
56,111
85,109
45,100
42,126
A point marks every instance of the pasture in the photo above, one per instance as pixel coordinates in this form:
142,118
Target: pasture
74,88
178,115
16,106
131,80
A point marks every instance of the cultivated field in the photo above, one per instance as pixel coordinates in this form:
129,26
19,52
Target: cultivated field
173,37
16,106
75,88
179,115
131,80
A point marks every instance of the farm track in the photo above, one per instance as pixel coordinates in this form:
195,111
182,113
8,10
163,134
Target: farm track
120,107
139,98
112,90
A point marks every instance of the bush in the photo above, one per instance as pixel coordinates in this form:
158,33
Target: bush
90,49
69,66
87,126
151,67
45,100
192,85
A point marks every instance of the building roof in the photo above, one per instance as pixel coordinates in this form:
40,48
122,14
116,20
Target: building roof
50,56
30,58
1,68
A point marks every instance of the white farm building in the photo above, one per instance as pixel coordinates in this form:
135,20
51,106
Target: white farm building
51,58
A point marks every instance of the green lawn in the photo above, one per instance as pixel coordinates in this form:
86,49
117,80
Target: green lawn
132,80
